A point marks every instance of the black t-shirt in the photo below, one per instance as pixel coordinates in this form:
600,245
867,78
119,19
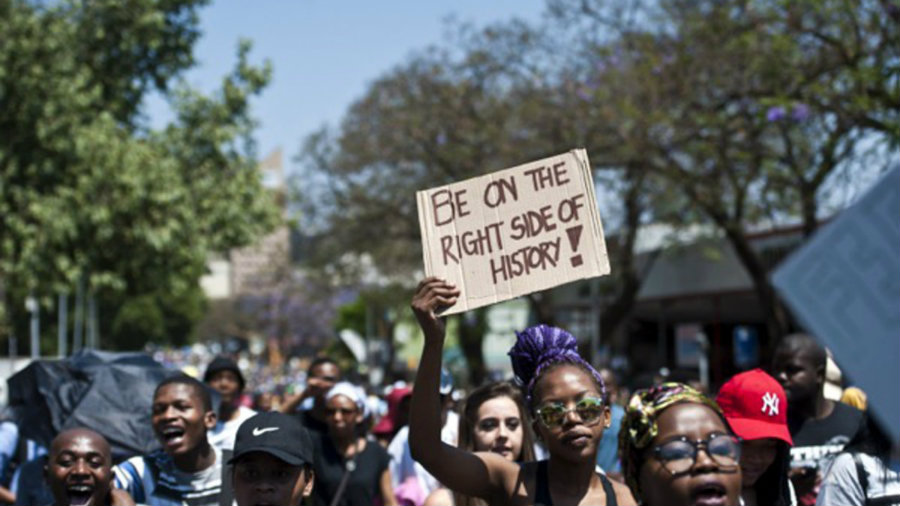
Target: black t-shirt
314,426
364,482
816,442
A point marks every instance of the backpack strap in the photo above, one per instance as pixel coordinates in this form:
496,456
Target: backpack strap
862,477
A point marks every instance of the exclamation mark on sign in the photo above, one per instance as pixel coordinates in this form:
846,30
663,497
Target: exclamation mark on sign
574,239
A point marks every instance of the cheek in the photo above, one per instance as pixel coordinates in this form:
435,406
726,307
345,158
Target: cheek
659,487
484,439
515,439
760,456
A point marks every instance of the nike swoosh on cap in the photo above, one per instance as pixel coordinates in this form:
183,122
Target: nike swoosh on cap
257,431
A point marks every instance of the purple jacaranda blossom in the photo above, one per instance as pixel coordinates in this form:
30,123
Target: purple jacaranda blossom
776,113
800,113
441,139
584,94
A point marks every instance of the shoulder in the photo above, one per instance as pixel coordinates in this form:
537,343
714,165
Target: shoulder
397,445
842,470
841,483
843,461
623,494
244,413
440,497
843,413
376,456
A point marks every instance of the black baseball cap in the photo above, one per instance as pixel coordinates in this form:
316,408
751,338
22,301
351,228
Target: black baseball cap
277,434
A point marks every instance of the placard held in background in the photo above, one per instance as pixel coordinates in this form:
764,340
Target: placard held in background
513,232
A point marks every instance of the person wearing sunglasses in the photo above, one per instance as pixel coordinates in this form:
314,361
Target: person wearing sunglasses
563,392
350,469
677,449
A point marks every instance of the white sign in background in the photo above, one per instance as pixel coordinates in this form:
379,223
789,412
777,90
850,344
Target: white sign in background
513,232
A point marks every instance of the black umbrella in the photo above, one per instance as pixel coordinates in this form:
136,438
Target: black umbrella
110,393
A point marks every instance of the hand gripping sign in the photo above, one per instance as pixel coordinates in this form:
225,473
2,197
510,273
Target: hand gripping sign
514,232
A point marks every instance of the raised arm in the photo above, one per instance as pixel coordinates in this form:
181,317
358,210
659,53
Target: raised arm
483,475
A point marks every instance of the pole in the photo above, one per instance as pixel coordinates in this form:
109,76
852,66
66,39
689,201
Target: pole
596,337
92,337
63,310
13,352
79,315
33,307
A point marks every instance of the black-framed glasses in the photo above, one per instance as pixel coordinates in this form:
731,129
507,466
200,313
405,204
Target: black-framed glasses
589,409
679,455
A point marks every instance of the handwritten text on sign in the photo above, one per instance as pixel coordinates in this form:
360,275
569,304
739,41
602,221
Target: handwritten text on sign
515,231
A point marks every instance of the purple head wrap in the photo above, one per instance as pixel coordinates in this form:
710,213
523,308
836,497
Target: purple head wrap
541,346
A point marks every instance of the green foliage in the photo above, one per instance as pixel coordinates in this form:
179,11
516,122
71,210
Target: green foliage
732,113
85,189
352,316
158,317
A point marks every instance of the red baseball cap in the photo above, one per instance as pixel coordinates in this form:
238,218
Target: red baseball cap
755,406
388,423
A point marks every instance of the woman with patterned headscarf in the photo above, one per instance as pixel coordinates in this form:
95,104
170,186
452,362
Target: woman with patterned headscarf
563,391
677,449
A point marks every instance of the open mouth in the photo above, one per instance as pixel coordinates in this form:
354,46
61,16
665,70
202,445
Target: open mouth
172,436
711,493
80,495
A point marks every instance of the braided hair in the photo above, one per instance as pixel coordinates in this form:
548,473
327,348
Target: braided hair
539,349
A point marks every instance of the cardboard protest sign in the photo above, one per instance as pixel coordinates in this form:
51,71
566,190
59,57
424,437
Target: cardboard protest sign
844,286
513,232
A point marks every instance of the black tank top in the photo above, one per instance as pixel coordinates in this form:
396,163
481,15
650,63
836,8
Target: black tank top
542,487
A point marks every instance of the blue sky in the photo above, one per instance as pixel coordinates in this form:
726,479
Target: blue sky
324,52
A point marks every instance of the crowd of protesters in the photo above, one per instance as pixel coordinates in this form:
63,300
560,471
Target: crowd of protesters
559,432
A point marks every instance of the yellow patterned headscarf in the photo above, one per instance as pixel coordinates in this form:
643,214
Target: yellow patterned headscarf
639,426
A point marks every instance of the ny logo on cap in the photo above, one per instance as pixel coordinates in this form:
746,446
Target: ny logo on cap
770,402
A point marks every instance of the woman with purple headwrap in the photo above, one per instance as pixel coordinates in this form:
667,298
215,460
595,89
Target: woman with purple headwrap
565,395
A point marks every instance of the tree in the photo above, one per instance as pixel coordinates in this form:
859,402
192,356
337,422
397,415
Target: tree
85,189
495,98
721,100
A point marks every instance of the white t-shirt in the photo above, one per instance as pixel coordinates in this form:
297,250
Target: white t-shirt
223,434
155,481
402,464
842,486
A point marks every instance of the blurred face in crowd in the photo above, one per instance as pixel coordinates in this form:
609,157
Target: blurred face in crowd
180,420
264,402
227,384
569,399
674,477
342,415
756,457
78,469
322,377
498,428
796,369
263,479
